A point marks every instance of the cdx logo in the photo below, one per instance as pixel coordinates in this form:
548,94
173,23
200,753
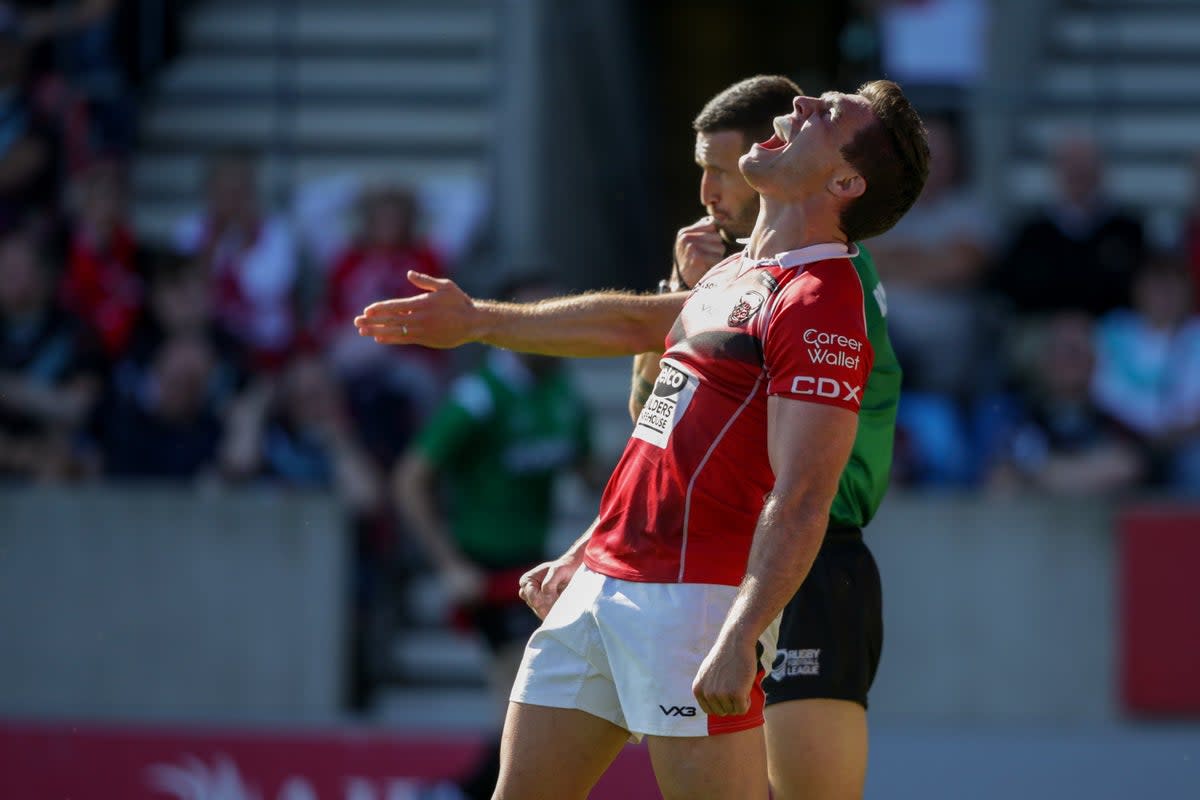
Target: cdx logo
679,711
825,387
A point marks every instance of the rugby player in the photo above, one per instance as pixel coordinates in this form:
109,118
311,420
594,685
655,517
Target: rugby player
844,167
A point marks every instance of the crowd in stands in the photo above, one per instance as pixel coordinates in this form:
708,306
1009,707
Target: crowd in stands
1062,355
225,355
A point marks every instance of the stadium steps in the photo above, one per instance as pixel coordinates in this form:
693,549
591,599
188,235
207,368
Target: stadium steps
1128,73
393,90
435,710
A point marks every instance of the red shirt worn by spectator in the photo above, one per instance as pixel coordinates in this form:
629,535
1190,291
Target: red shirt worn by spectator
363,275
101,286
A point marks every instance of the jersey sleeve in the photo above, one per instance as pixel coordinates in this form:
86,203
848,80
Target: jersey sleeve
455,424
815,345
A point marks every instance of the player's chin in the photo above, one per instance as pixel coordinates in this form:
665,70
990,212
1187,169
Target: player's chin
733,231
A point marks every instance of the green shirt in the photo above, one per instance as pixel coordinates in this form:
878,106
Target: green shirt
865,479
500,440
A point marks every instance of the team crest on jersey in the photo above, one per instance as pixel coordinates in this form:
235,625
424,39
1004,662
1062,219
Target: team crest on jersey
746,308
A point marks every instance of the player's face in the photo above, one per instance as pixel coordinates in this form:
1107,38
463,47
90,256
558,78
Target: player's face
729,200
805,153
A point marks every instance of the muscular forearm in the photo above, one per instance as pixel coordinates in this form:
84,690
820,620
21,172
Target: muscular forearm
593,324
786,541
590,325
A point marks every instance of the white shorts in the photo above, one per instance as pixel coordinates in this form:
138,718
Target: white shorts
628,652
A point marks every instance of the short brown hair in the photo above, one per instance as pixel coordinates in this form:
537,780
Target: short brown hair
749,107
892,155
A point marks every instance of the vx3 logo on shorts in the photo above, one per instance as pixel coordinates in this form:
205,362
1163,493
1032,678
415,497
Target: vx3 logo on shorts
679,711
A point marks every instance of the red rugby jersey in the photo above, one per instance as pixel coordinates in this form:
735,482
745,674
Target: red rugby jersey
684,500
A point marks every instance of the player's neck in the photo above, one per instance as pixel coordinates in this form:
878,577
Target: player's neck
789,226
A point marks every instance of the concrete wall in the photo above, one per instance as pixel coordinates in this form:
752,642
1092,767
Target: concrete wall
997,610
134,604
159,604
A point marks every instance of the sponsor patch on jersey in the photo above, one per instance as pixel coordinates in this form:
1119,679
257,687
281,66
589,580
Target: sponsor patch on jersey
747,306
833,349
673,392
827,387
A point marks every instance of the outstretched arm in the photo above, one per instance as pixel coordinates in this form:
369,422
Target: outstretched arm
808,446
594,324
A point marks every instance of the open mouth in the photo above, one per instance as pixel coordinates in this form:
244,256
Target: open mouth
782,136
774,143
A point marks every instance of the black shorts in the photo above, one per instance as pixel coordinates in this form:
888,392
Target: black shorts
831,633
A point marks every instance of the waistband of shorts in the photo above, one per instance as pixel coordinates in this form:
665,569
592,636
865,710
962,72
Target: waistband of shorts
843,533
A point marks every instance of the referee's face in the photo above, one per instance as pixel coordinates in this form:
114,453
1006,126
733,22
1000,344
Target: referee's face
726,196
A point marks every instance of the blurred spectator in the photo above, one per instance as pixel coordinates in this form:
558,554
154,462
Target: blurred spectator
49,377
77,41
374,267
391,388
1081,252
180,305
932,263
27,166
450,211
299,434
250,257
101,284
170,427
507,433
1062,442
1148,368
